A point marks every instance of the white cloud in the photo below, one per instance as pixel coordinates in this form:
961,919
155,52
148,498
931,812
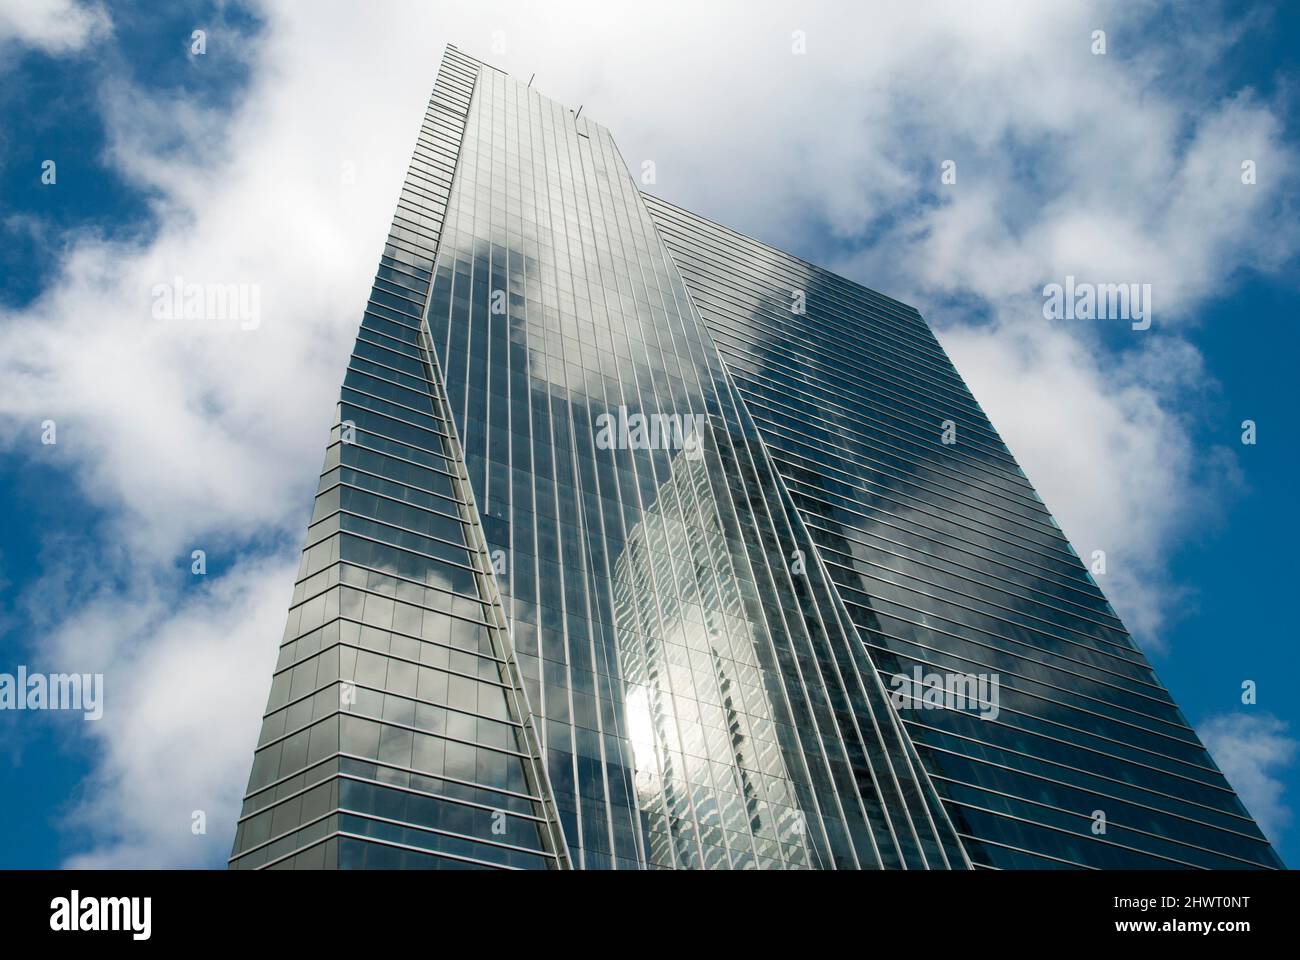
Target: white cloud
1114,466
54,26
1252,750
190,435
183,698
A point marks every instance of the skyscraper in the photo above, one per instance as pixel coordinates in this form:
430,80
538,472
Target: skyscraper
639,543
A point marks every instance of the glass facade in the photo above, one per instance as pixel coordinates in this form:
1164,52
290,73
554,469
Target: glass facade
947,560
612,565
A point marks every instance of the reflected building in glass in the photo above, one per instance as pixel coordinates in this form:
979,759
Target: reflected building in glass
616,561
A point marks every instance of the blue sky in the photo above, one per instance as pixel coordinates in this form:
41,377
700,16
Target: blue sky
226,167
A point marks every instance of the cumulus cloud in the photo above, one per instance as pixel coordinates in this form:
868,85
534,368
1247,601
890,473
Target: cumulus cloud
1252,750
181,713
189,434
54,26
1115,467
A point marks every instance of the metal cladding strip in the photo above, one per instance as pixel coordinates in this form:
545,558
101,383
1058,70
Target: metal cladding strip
489,588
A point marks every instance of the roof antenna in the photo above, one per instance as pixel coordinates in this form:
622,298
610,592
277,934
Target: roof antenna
579,113
532,78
